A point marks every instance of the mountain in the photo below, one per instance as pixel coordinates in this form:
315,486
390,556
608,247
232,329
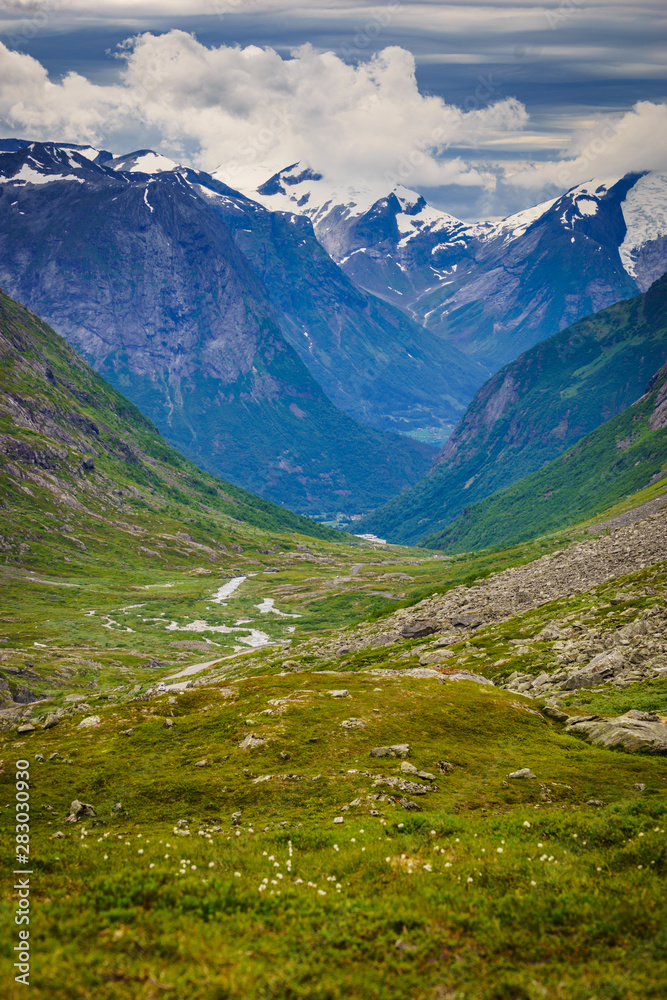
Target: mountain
491,289
142,276
620,457
533,410
81,459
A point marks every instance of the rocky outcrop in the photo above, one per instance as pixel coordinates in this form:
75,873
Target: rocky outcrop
635,732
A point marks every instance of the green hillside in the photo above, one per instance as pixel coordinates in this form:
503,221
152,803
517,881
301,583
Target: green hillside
73,449
622,456
532,411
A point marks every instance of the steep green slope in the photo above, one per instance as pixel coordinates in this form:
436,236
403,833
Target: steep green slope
623,455
73,449
533,410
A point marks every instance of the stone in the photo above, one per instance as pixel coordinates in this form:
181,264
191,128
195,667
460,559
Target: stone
398,750
408,804
27,727
127,732
436,656
353,724
236,818
58,835
342,693
54,756
338,819
444,766
454,674
168,723
24,696
554,713
202,763
90,722
601,668
524,772
50,721
408,768
595,802
39,757
466,621
80,810
635,735
250,742
418,629
640,786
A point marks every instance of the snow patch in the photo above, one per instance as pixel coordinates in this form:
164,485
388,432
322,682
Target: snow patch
645,214
30,176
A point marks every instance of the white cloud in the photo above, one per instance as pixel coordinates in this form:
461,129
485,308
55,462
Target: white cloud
609,147
247,106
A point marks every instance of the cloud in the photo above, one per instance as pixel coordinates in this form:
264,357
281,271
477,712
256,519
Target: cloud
610,147
244,107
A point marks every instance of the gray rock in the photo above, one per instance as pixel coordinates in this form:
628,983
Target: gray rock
339,819
342,693
90,722
595,802
640,786
202,763
418,629
236,818
467,621
127,732
408,768
444,766
635,735
168,723
554,713
408,804
250,742
353,724
27,727
39,757
398,750
524,772
51,720
80,810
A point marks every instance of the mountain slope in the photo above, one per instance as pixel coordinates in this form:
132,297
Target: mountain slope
74,449
533,410
373,362
145,280
620,457
492,289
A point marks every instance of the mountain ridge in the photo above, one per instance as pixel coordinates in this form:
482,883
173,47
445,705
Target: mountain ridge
533,409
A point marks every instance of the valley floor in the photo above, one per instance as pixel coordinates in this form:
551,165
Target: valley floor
344,770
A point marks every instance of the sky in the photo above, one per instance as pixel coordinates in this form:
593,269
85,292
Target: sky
486,108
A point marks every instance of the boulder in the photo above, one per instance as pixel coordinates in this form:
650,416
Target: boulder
250,742
601,668
398,750
467,621
80,810
90,722
635,732
419,629
343,693
524,772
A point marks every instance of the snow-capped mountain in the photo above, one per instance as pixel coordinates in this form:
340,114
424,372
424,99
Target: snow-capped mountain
224,322
491,288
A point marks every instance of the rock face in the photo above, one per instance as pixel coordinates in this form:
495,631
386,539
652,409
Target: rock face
636,732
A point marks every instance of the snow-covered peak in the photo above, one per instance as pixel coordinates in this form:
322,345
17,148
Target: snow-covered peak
645,214
143,161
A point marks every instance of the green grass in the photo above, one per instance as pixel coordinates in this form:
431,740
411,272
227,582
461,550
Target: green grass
482,923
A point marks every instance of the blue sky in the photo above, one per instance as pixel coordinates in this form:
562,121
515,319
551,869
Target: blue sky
486,108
